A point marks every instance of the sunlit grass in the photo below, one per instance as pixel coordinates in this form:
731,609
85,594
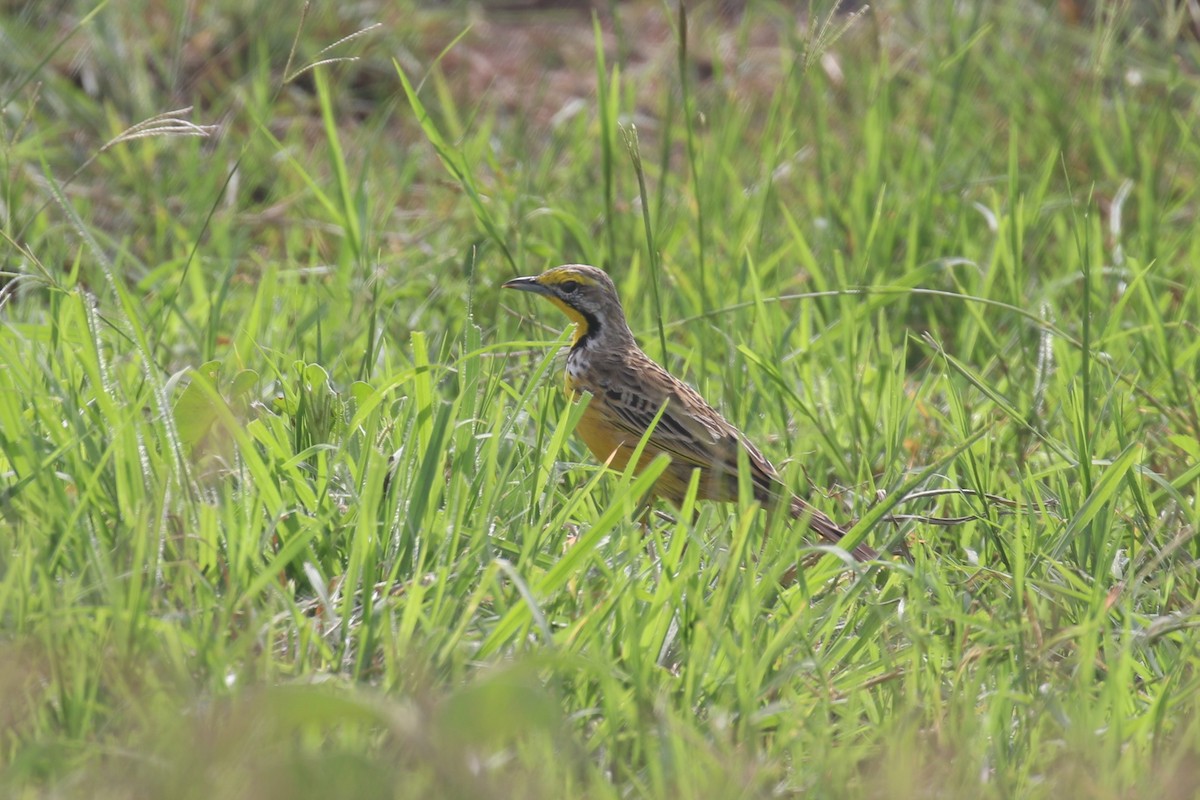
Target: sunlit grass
289,498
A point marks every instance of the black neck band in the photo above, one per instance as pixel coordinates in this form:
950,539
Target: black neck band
592,328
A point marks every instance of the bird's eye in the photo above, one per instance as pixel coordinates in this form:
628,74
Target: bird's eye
568,287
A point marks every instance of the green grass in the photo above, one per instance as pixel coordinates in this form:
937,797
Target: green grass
953,249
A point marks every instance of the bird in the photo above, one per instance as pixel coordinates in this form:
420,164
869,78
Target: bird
628,390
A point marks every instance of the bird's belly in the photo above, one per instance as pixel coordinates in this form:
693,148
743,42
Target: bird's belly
607,443
614,447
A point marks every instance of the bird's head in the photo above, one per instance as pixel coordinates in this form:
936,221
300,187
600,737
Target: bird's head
585,294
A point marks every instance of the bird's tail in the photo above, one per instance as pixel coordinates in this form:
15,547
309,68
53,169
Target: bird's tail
827,528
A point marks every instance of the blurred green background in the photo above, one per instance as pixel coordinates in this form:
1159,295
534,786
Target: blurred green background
249,266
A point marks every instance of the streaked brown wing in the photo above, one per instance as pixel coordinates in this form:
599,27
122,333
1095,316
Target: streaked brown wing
689,430
672,434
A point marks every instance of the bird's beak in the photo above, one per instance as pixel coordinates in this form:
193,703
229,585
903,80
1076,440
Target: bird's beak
529,284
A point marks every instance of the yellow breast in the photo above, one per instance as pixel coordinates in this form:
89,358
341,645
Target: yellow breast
612,445
608,444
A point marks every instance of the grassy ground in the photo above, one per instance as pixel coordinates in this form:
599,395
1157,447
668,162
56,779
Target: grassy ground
953,249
